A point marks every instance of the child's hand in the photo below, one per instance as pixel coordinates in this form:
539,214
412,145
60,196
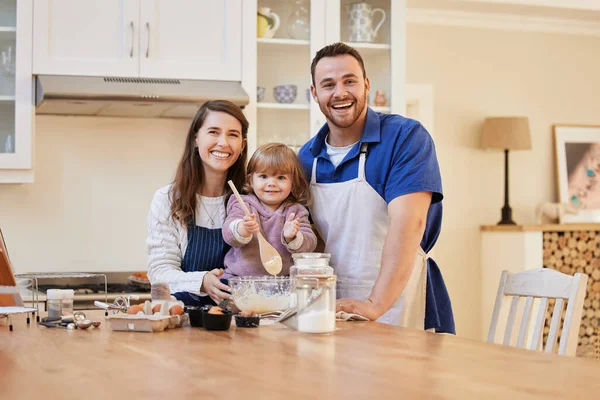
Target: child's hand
291,228
248,226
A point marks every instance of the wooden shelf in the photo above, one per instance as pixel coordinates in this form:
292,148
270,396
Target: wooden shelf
541,228
282,106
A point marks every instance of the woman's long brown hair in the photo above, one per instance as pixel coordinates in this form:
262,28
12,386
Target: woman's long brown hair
189,178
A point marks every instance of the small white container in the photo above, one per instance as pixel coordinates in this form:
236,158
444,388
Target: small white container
54,303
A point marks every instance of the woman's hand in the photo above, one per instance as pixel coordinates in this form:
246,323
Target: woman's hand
248,226
291,228
212,285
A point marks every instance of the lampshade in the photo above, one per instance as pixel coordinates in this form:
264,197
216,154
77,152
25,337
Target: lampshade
510,133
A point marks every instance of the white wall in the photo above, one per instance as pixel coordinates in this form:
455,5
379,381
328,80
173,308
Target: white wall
476,73
94,180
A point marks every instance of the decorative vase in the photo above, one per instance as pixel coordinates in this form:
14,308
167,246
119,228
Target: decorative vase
298,24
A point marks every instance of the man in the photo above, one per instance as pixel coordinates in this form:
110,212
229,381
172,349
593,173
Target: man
377,200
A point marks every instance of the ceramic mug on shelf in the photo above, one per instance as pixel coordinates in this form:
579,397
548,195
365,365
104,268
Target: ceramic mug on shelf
285,93
360,22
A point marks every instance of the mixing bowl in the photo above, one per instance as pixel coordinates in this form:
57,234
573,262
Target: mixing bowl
261,294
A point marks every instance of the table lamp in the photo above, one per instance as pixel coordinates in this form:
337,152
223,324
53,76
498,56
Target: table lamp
506,133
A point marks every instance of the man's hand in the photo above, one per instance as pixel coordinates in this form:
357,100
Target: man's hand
365,308
248,226
212,285
291,228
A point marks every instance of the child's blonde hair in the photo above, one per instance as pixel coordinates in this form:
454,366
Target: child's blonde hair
278,159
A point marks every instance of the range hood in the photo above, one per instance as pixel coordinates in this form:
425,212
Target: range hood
130,97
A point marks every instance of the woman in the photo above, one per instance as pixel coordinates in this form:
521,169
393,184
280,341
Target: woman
185,242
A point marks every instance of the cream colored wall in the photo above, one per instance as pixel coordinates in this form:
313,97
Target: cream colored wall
94,180
476,73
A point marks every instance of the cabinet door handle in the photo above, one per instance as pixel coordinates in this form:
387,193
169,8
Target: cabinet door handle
148,45
131,51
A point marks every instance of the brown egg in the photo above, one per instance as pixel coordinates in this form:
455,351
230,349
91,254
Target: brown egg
156,308
176,310
248,313
135,309
215,310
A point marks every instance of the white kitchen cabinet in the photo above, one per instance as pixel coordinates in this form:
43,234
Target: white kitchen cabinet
187,39
16,108
190,39
86,37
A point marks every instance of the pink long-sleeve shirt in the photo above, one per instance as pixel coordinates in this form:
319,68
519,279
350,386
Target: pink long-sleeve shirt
243,259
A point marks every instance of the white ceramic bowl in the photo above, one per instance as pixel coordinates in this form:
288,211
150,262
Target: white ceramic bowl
285,93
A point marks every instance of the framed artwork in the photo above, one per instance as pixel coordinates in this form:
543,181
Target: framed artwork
578,171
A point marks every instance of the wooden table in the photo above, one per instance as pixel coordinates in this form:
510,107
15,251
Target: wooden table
364,360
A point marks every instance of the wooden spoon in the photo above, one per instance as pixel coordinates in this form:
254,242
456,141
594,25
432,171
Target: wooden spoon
269,257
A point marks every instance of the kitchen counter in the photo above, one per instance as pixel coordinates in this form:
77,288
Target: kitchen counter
364,360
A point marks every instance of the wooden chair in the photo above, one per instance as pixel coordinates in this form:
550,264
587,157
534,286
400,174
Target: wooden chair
537,286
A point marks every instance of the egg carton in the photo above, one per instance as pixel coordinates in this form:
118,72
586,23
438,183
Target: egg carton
147,321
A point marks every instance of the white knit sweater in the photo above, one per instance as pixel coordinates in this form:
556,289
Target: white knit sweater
167,241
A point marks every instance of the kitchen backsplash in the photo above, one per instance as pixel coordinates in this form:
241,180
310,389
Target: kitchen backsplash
94,181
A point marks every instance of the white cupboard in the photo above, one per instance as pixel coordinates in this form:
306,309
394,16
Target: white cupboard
187,39
88,38
191,39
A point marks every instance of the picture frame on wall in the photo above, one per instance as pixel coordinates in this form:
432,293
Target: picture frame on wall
578,171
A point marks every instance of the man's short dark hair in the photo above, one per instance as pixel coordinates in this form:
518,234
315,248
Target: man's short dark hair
336,49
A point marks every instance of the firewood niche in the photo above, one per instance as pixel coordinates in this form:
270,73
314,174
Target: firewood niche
578,251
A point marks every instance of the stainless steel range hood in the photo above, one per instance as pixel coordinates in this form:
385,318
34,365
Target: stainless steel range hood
130,97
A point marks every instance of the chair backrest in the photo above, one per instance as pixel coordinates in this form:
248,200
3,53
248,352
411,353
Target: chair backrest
537,286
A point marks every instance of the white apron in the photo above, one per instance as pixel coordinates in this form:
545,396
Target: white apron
352,219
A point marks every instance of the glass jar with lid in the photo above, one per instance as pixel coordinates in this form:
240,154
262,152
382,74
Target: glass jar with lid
316,297
308,264
54,304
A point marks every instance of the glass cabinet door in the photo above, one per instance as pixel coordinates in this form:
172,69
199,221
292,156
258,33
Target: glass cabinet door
8,31
284,38
16,102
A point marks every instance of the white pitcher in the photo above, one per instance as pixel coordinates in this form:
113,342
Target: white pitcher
360,22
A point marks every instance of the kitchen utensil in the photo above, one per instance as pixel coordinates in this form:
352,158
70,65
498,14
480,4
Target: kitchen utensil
261,294
260,93
223,304
293,311
298,24
285,93
216,322
247,322
360,22
269,257
267,22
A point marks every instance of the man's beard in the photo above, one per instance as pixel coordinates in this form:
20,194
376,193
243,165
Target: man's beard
359,106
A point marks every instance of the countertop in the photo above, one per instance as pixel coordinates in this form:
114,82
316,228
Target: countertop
365,360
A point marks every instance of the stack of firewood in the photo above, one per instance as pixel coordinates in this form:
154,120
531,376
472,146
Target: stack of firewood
569,253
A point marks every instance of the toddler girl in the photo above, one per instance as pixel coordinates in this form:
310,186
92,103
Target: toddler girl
276,193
